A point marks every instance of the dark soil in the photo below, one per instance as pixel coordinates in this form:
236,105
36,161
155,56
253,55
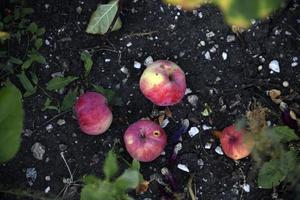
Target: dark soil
227,86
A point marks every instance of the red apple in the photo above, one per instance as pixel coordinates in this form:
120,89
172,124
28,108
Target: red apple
93,114
145,140
163,83
236,143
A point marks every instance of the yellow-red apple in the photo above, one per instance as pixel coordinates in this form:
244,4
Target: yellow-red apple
163,82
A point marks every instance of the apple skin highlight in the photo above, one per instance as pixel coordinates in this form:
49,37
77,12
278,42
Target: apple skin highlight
163,82
93,114
236,143
145,140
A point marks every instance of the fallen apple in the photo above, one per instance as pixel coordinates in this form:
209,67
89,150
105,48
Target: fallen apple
236,143
145,140
93,114
163,82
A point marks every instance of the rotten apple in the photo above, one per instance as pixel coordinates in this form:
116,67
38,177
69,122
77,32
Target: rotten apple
163,82
93,113
145,140
236,143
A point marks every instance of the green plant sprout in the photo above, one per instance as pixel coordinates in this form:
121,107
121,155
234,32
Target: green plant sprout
112,187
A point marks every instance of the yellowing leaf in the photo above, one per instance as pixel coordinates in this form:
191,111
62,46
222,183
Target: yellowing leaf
4,35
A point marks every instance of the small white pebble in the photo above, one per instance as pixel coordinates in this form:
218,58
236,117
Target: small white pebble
219,151
260,67
294,64
202,43
48,178
137,65
230,38
124,70
148,60
193,100
274,66
183,167
246,187
47,190
193,131
285,84
107,60
205,127
129,44
61,122
210,34
208,145
207,55
165,123
188,91
49,128
47,42
200,15
224,56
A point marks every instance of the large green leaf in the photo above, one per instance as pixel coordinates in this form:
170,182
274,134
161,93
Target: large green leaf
110,167
270,175
103,17
11,122
284,134
60,82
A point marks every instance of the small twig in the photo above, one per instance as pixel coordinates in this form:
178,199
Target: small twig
189,185
140,34
63,157
50,120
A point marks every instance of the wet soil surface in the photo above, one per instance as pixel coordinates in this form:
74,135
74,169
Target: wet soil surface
224,70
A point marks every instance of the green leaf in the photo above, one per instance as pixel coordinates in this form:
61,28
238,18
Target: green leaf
128,180
33,27
110,167
11,122
40,31
135,165
270,175
102,18
89,179
26,11
69,100
48,106
60,82
288,162
111,96
285,134
37,57
15,61
101,191
27,64
26,83
86,57
38,43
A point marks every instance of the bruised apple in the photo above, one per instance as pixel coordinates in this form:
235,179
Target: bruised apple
93,114
145,140
236,143
163,82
